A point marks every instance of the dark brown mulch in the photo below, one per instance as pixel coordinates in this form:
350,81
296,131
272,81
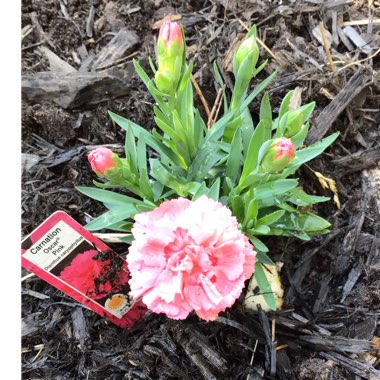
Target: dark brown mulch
329,326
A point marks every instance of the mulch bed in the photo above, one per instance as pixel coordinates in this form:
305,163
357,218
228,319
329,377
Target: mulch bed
329,326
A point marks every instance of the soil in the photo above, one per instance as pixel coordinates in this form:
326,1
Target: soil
329,326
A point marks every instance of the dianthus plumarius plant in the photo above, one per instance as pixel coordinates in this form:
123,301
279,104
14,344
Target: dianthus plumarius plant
205,196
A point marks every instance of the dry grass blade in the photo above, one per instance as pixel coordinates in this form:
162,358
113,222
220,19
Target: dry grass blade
215,109
326,46
328,184
199,92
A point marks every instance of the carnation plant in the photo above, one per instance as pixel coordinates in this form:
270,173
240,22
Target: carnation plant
195,201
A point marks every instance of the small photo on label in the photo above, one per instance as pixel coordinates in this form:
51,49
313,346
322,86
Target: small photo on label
117,304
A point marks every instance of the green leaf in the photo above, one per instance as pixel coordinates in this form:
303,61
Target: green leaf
259,245
251,209
167,178
127,239
307,110
153,142
300,198
213,193
130,150
264,286
204,160
307,154
234,158
269,219
271,189
203,190
157,188
157,95
237,207
218,76
261,230
178,138
303,222
122,226
199,129
266,116
251,160
261,87
111,217
252,31
145,185
107,196
285,104
263,258
246,129
299,138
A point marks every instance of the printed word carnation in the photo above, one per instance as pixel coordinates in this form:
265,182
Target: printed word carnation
189,256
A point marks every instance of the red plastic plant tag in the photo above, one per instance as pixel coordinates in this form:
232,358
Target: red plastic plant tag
67,256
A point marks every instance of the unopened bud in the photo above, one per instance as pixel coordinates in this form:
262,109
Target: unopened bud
103,161
279,155
249,51
170,52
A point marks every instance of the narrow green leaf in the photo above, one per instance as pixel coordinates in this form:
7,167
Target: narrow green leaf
157,95
271,189
167,178
107,196
157,188
111,217
261,230
213,193
252,31
199,130
264,286
203,190
269,219
122,226
150,140
251,209
266,116
251,160
263,258
130,150
237,207
285,104
301,221
307,110
259,245
234,158
307,154
300,198
261,87
299,138
246,129
128,239
204,160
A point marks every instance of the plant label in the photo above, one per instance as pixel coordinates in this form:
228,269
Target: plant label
67,256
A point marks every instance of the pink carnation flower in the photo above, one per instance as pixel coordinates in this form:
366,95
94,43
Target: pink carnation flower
189,256
89,275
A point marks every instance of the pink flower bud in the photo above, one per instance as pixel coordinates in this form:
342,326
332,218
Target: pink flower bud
102,160
170,32
279,155
170,57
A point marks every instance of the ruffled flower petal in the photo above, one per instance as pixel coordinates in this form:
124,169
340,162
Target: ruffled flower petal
189,256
